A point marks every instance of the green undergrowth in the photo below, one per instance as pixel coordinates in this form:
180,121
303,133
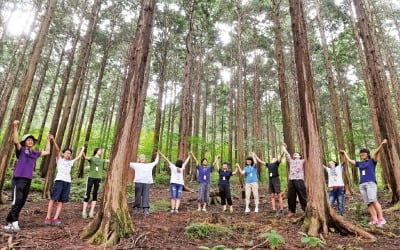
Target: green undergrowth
207,231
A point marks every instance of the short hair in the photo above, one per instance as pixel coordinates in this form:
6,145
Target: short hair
179,163
67,149
250,159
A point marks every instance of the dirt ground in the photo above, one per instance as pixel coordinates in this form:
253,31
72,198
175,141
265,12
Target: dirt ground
162,230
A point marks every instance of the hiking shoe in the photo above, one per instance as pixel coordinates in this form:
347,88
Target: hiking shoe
91,214
256,210
47,221
176,211
84,215
204,209
231,209
247,210
11,228
56,222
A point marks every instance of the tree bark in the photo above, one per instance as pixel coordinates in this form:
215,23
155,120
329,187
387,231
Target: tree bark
24,89
113,221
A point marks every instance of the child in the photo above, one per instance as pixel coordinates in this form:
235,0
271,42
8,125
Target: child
274,181
204,180
224,185
251,173
96,172
296,187
143,180
177,181
62,183
368,187
23,173
336,185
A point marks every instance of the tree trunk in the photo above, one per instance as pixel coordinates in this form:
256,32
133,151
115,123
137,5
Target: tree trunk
24,89
113,220
186,93
285,107
9,67
204,119
319,215
81,119
256,121
81,64
383,106
333,96
36,95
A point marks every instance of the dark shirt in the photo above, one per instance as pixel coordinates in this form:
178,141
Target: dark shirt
273,169
367,170
224,177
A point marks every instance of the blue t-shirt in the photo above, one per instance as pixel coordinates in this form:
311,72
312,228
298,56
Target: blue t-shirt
251,174
204,174
224,177
367,170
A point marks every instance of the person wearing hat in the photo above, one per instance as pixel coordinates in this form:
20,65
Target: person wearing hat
23,173
368,187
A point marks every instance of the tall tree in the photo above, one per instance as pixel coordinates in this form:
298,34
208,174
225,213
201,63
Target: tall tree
113,220
383,106
318,212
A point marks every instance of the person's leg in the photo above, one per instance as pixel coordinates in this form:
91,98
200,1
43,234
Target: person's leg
96,186
49,209
273,201
302,193
331,196
89,185
200,196
372,192
291,197
228,195
172,189
146,198
138,196
378,209
58,211
280,201
340,197
21,187
256,196
373,213
207,196
222,195
248,193
178,197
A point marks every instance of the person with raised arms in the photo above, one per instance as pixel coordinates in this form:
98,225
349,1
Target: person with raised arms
336,185
224,185
177,181
250,171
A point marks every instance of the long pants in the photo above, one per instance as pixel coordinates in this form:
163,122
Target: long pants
337,194
92,183
225,194
252,188
204,192
20,191
297,188
142,195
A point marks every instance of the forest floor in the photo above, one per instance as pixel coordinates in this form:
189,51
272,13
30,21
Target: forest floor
162,230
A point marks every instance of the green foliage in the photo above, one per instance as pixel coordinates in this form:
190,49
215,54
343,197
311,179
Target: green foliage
219,247
275,239
37,185
312,241
162,178
78,189
160,206
206,230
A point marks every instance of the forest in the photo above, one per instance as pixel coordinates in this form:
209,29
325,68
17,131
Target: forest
152,87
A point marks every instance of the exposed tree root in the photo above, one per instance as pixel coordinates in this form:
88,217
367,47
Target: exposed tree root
395,208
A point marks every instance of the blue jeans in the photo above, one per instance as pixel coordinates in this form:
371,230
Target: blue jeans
337,194
176,191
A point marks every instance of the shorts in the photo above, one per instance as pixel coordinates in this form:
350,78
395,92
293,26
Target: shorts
61,191
176,191
369,192
274,185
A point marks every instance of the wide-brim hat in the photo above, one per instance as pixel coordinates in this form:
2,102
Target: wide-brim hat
25,137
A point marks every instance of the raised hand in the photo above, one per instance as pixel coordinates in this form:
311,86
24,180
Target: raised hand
16,123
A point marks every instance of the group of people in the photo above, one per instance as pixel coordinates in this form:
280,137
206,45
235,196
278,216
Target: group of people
27,157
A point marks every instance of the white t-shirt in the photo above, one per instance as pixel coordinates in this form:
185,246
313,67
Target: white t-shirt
335,178
64,169
176,177
144,171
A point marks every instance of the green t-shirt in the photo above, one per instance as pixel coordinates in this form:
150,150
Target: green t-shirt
97,166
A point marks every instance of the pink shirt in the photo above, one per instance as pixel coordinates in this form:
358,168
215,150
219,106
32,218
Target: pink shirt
296,167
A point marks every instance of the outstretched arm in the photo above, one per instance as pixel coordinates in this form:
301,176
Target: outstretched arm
216,160
258,159
281,156
80,153
379,149
164,157
254,158
239,168
15,135
48,144
186,161
347,157
56,148
194,158
287,154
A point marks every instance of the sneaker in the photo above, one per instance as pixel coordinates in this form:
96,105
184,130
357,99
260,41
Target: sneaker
91,214
291,215
256,210
56,222
10,227
224,209
247,210
172,211
231,209
199,209
374,222
47,221
204,209
176,211
136,210
84,215
381,222
146,212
